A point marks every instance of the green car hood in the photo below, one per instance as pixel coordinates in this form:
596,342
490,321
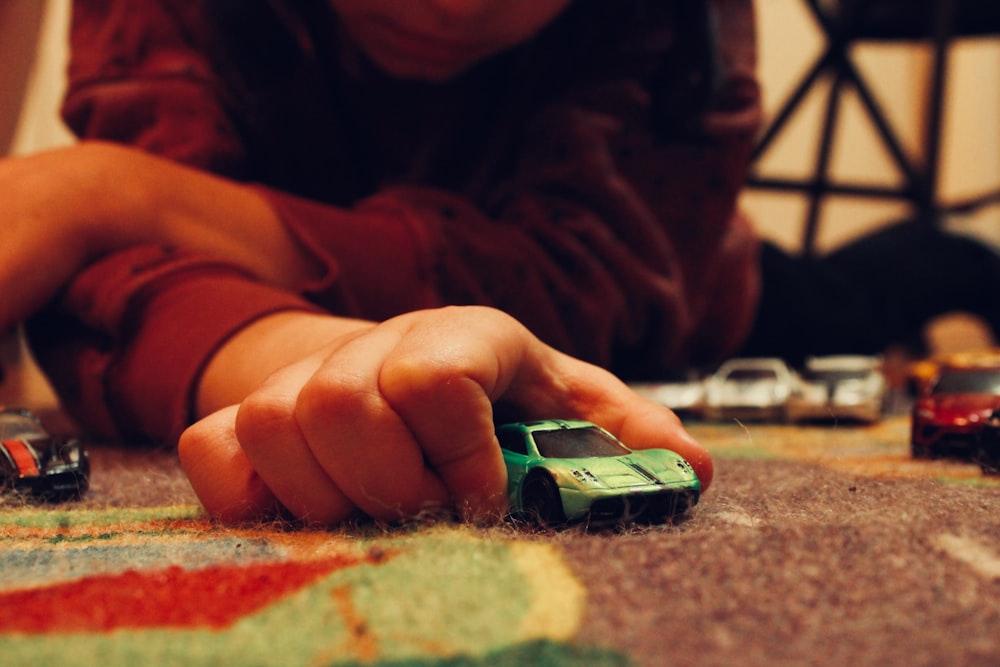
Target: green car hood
621,472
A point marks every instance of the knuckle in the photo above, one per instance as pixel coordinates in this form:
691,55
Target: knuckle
416,384
190,442
260,417
203,437
319,401
421,373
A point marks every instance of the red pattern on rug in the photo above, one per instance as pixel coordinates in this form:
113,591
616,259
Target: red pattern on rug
214,597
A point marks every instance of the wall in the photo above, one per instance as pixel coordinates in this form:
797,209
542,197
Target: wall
32,79
19,25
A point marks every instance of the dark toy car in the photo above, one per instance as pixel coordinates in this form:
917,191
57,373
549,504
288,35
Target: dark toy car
566,471
988,454
949,415
34,463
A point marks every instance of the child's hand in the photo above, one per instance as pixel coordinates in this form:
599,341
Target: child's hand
396,418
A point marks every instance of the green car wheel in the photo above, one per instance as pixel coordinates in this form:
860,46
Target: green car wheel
541,501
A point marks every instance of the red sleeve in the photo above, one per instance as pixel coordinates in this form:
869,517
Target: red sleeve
126,344
134,78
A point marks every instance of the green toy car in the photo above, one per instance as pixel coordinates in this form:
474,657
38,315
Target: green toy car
566,471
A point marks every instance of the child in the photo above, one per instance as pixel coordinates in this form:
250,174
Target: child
334,236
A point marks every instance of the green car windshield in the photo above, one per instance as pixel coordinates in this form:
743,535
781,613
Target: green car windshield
577,443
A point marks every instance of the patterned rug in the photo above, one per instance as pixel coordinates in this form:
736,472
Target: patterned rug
165,586
815,546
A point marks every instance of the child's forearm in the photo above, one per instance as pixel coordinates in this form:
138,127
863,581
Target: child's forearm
209,214
67,207
159,201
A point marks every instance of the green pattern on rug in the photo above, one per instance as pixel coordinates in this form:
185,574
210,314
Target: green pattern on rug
165,586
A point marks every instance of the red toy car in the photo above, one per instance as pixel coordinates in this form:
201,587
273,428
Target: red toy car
988,455
949,415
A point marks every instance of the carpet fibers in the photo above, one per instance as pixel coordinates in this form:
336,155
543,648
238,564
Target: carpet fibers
815,545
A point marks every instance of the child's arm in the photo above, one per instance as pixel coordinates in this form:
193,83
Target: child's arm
66,208
391,419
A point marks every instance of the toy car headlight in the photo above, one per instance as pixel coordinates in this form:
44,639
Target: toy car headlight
584,477
925,413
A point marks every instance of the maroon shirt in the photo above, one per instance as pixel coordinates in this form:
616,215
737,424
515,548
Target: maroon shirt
584,182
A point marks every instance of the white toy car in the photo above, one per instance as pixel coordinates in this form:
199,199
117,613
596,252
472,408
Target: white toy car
840,387
753,389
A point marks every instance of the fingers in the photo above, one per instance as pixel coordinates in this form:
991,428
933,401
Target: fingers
443,389
269,431
220,473
399,420
223,466
359,440
643,424
455,429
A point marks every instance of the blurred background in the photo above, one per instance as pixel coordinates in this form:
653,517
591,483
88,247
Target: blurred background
876,111
32,59
807,194
891,46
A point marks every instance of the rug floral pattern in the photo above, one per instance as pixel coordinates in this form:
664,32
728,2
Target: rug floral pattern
166,586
